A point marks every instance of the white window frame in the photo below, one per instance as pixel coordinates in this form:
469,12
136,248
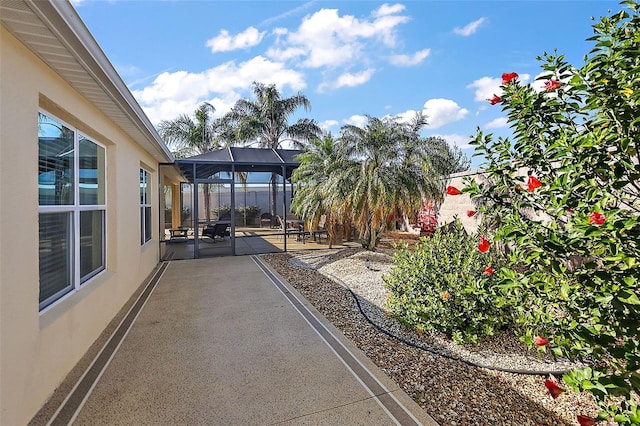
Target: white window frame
75,209
146,230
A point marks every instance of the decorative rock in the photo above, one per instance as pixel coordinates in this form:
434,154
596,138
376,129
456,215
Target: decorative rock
440,385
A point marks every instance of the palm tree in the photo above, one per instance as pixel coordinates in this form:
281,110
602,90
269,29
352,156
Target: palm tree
317,194
186,137
373,172
265,120
425,162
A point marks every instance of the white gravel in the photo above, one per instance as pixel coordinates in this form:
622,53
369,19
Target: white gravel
362,272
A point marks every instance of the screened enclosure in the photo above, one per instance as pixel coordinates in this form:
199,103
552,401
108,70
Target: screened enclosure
235,201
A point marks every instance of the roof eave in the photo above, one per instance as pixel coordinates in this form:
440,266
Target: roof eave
64,22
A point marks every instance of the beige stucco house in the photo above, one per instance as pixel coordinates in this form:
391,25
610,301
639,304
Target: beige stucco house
80,185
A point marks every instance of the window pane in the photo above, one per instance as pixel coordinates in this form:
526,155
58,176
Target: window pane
147,223
55,256
143,186
55,162
92,172
142,230
147,187
91,243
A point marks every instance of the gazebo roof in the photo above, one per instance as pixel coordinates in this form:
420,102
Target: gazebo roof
240,159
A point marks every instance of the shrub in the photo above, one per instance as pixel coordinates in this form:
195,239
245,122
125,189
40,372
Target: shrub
443,284
577,143
252,213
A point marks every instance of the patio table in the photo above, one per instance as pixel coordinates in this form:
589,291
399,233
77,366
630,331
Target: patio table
178,233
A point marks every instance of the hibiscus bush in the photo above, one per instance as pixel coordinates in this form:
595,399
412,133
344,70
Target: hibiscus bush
444,284
563,196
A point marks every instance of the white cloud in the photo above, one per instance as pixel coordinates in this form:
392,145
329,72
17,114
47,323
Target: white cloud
438,112
410,60
470,28
387,19
356,120
224,42
497,123
280,31
327,39
351,80
442,111
328,125
285,54
348,80
388,9
486,87
455,139
172,94
404,117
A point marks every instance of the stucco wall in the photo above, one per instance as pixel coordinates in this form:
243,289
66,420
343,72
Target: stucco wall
39,349
457,205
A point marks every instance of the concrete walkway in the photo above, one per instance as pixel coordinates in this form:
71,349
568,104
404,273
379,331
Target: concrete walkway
225,341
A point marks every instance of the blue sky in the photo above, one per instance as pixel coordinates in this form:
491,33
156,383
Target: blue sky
350,58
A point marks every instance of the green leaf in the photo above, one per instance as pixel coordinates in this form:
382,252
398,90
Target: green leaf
635,381
604,300
634,414
564,291
621,418
629,298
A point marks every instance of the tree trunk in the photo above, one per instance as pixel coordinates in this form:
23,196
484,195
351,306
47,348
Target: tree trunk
207,201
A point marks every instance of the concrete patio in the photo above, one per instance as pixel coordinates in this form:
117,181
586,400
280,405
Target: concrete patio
226,341
248,240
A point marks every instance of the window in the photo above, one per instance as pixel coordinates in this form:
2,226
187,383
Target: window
71,196
145,206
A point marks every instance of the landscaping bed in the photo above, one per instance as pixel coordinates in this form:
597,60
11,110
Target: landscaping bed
345,286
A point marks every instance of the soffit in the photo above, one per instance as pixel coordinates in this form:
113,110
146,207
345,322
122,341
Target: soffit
54,32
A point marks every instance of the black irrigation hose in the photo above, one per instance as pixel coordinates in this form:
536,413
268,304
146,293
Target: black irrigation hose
434,352
451,357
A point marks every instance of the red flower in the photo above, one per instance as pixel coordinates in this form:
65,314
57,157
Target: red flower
586,421
489,270
554,389
540,341
470,213
507,77
452,190
496,99
533,183
551,85
484,245
596,218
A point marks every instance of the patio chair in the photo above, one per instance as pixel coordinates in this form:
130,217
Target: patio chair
287,228
266,218
217,230
321,229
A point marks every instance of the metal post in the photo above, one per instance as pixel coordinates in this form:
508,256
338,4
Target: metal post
284,205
